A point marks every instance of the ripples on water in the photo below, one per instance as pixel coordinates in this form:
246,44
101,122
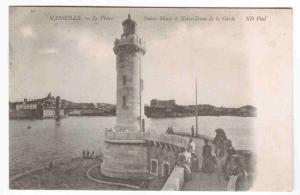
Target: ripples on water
49,140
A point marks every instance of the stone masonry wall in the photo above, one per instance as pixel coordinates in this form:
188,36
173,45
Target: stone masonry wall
128,116
162,155
125,160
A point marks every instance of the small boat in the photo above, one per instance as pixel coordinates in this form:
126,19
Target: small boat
29,127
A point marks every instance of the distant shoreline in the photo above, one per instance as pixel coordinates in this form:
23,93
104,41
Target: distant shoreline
157,109
33,119
177,111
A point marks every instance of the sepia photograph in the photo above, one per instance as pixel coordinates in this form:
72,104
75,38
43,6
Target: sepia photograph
150,98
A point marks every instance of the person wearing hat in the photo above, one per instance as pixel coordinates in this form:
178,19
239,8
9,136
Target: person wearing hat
219,142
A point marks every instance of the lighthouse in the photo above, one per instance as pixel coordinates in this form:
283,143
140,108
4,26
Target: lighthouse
129,51
125,153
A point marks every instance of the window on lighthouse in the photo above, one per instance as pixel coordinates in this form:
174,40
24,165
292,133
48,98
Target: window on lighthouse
124,79
124,100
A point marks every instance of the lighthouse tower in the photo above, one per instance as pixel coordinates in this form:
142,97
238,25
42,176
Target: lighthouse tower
129,50
125,153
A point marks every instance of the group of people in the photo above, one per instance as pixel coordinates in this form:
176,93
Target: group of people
225,161
188,159
87,154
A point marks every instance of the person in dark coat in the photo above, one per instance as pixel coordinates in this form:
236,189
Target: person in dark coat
87,153
195,163
83,153
208,165
193,131
219,142
51,165
230,152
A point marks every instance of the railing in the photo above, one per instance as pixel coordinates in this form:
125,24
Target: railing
130,41
151,136
111,135
167,138
201,136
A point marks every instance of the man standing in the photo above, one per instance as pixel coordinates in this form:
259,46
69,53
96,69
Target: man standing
193,131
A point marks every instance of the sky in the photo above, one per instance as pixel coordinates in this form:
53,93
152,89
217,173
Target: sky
75,59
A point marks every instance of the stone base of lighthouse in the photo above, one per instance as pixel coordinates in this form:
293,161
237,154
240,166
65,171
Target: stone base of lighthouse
126,159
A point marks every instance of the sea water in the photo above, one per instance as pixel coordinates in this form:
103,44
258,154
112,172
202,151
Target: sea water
33,143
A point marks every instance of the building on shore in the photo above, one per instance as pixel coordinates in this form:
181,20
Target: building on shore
48,107
163,103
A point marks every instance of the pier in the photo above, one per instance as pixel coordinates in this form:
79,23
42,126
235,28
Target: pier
85,173
167,144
